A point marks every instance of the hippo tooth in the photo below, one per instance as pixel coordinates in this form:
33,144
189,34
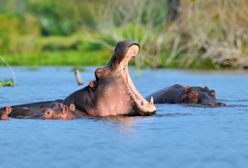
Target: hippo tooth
152,100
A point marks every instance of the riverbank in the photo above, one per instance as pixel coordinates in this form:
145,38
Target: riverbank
204,35
101,58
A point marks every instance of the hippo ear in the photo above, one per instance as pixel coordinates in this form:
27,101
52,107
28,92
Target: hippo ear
72,107
65,109
212,93
8,109
206,88
186,89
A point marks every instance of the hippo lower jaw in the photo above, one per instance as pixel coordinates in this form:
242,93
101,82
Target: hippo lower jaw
139,104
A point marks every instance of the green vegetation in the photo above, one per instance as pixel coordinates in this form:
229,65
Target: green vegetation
206,34
7,82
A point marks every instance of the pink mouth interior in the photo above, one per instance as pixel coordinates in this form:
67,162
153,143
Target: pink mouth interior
141,102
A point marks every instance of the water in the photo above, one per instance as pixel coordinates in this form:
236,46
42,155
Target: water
177,136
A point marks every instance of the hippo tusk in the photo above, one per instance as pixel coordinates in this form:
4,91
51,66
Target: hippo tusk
152,101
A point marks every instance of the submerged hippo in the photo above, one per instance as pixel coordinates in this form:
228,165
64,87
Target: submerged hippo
61,112
112,93
5,114
31,110
190,95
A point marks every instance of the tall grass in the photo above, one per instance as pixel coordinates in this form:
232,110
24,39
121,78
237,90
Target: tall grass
142,21
215,30
207,33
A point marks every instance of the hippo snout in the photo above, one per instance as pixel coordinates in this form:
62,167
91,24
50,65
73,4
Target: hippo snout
215,104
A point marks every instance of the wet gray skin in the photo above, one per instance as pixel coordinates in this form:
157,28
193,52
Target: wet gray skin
189,95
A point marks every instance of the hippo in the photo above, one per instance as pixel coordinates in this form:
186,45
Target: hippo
112,93
30,110
188,95
61,112
5,114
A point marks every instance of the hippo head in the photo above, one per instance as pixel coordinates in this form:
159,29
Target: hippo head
200,95
58,111
113,92
5,113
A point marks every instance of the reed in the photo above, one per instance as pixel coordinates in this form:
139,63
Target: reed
8,82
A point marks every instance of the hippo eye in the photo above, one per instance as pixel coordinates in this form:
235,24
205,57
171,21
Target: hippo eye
48,112
193,94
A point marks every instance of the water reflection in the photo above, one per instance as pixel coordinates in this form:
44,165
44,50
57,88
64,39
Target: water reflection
121,120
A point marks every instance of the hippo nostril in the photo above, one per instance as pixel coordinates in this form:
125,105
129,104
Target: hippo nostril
211,104
221,104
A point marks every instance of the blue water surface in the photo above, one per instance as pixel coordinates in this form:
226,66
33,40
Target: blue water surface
176,136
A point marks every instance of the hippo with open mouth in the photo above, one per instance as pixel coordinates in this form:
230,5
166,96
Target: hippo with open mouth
112,93
188,95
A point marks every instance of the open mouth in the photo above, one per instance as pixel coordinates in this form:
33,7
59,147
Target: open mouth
140,104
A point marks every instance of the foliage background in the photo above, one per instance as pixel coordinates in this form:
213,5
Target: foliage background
205,34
